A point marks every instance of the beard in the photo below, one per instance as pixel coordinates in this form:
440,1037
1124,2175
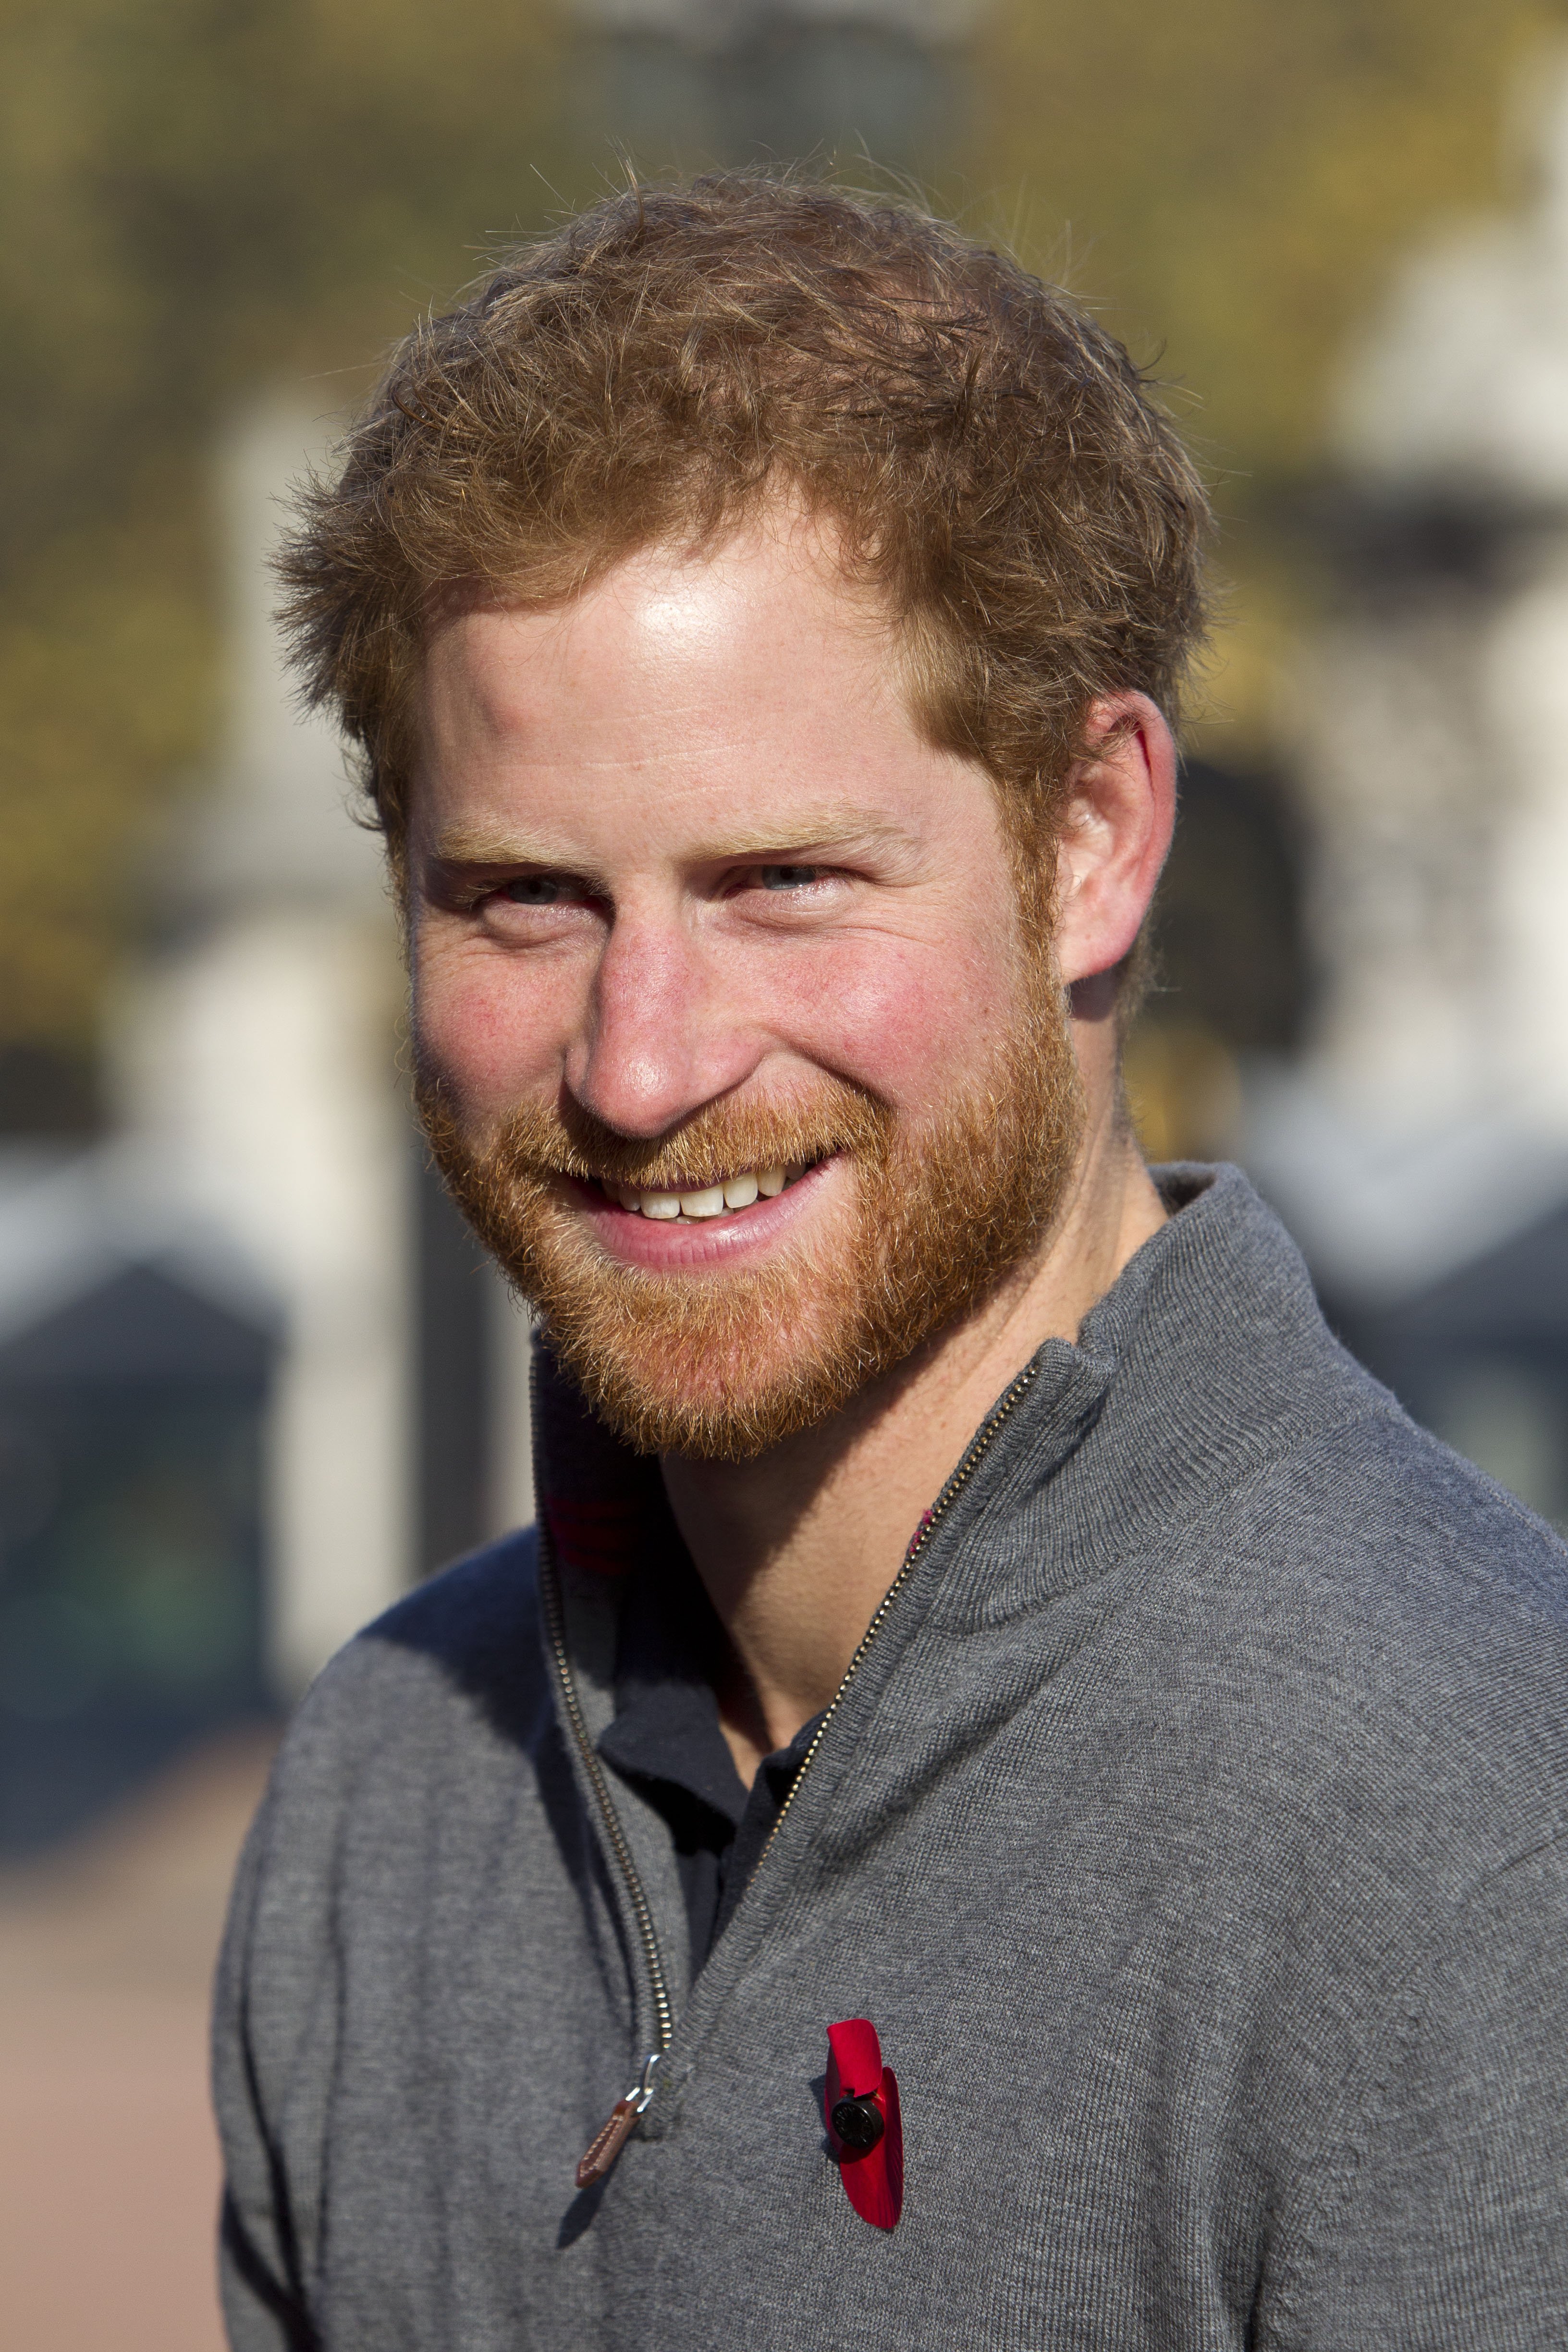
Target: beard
723,1364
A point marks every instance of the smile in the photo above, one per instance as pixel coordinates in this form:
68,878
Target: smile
718,1199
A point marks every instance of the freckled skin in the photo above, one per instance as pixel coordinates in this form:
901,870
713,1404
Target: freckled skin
610,810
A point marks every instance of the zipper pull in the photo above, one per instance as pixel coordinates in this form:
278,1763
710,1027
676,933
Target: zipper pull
613,2134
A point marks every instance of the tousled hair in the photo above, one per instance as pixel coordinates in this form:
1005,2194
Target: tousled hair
989,456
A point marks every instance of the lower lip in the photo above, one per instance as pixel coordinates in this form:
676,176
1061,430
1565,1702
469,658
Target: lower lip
675,1244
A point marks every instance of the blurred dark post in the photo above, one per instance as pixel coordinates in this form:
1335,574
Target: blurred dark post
454,1376
697,82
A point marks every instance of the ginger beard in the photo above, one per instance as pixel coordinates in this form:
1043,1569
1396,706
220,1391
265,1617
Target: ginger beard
724,1364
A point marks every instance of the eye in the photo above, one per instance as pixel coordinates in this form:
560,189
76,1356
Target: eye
788,878
535,890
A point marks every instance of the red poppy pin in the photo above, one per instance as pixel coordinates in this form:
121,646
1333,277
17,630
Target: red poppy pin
865,2131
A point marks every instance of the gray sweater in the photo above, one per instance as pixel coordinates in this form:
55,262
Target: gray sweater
1191,1829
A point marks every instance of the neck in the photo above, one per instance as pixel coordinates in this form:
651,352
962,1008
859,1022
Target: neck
797,1549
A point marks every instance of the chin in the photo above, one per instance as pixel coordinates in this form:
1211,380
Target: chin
716,1406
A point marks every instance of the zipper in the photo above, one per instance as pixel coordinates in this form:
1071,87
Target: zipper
612,2135
939,1510
556,1626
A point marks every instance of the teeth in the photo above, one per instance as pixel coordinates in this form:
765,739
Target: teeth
707,1201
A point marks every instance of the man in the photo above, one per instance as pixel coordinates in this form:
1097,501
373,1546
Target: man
1015,1799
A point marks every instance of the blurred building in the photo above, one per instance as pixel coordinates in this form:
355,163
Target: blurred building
1420,1147
137,1351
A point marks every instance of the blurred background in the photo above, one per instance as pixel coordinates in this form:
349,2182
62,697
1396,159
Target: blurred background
254,1380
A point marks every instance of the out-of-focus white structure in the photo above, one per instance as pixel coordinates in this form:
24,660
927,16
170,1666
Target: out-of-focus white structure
1427,1128
255,1062
261,1057
1431,1113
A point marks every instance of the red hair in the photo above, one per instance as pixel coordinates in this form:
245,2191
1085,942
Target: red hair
990,456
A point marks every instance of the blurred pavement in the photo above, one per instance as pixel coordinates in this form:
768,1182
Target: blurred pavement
109,2169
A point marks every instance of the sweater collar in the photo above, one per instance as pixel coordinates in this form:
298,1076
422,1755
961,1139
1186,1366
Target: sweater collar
1202,1353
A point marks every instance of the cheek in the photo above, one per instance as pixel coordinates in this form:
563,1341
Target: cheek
907,1019
491,1034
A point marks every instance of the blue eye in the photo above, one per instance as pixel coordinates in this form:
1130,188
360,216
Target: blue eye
533,891
787,878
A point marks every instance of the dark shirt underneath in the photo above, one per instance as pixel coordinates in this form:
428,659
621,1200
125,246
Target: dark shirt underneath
666,1740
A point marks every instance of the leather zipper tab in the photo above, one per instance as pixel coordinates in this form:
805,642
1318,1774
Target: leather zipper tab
607,2144
613,2134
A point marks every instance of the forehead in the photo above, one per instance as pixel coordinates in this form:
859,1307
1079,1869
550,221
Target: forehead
753,671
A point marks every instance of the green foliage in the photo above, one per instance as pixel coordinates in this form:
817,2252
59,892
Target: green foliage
199,196
1232,185
197,191
1233,181
106,693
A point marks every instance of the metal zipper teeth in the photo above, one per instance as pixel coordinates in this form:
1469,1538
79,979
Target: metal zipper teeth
954,1487
555,1625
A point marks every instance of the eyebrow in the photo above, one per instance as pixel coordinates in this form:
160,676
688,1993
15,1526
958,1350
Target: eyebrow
827,830
473,845
821,829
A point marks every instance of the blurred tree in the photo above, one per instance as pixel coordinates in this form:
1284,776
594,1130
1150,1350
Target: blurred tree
196,196
1231,185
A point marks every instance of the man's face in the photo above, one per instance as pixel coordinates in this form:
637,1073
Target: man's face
700,917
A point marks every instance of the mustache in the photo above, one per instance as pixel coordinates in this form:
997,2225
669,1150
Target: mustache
722,1139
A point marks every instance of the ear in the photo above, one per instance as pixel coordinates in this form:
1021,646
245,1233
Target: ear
1121,811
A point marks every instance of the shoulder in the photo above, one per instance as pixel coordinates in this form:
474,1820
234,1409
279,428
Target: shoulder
466,1636
1307,1532
419,1754
470,1625
1383,1518
1405,1626
438,1697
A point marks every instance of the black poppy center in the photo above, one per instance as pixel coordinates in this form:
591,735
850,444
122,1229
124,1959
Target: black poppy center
858,2123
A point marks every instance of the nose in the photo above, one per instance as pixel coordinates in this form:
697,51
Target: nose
663,1032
